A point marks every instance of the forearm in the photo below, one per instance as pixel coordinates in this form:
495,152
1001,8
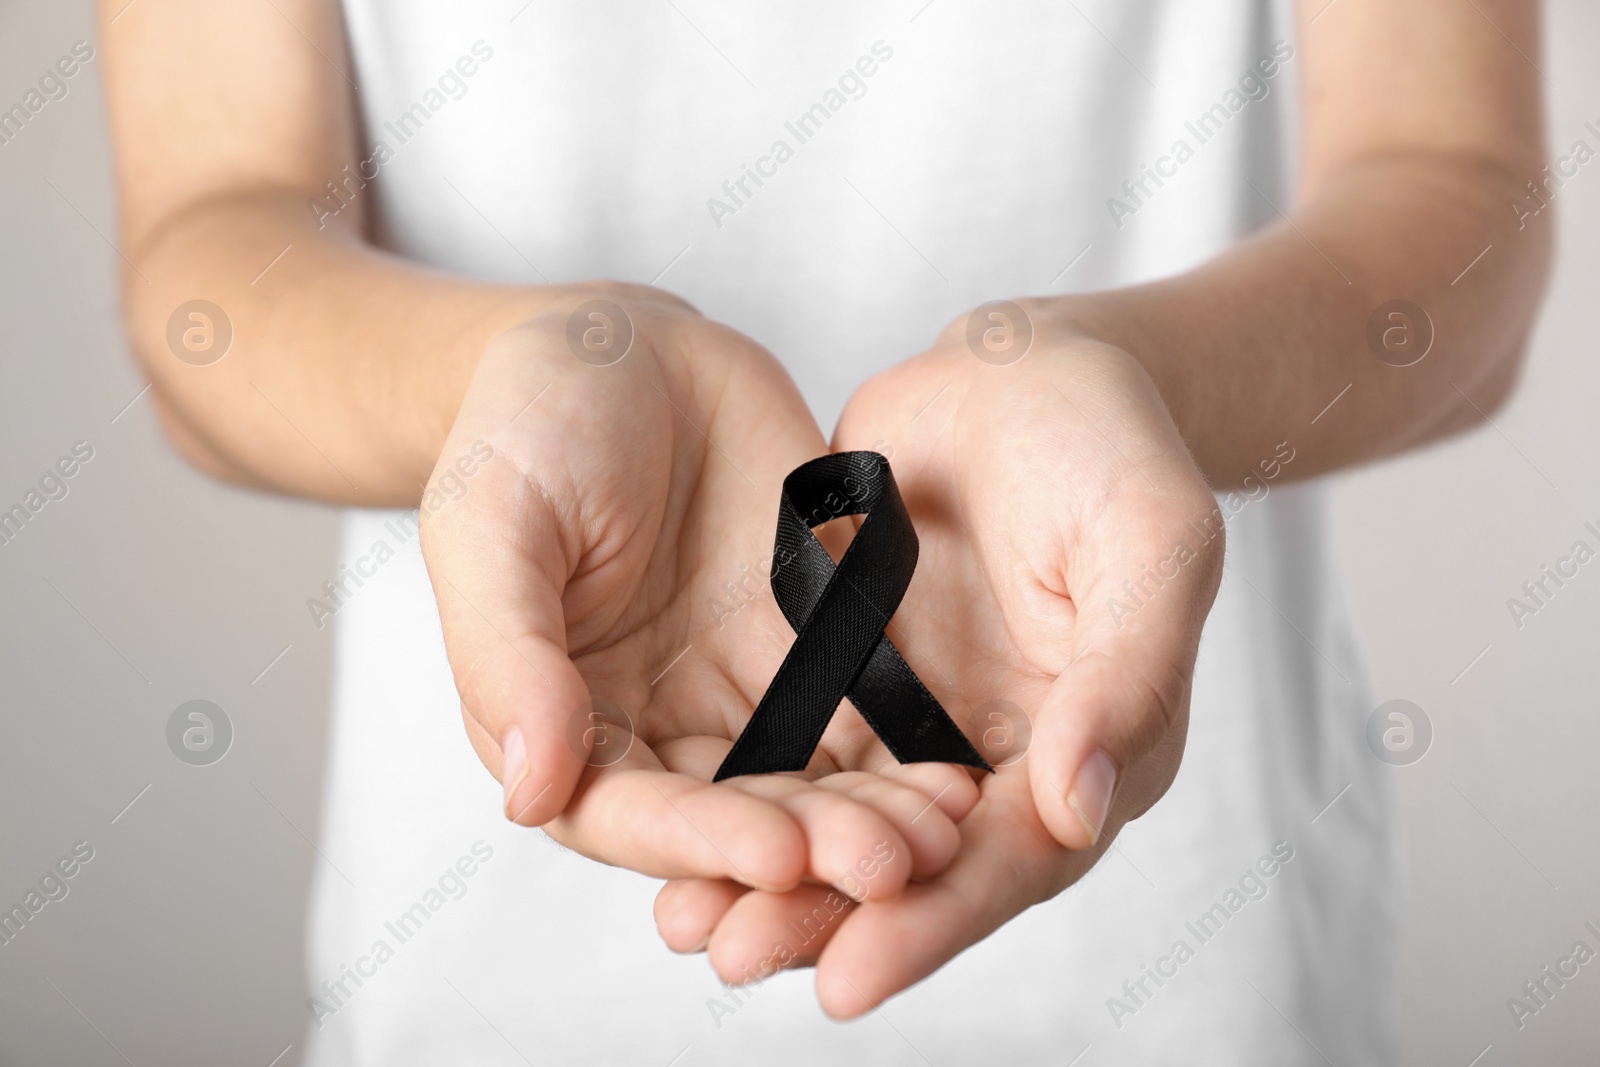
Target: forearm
1250,349
346,365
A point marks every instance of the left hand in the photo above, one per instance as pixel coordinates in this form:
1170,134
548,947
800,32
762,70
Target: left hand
1045,493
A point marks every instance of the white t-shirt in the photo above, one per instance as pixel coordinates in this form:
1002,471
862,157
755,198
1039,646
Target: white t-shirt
960,153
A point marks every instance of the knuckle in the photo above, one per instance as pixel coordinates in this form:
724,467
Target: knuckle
1147,702
1167,692
472,686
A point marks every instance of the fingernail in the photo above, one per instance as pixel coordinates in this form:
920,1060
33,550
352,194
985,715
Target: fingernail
1091,793
701,947
513,767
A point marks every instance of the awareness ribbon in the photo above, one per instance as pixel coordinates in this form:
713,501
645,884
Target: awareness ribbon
839,613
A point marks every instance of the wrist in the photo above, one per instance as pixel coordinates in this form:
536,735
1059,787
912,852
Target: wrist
440,386
1072,321
493,315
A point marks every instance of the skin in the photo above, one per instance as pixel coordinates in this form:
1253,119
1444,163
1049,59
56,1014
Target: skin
582,557
613,500
1033,550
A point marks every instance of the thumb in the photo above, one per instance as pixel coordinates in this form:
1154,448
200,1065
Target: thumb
498,572
1142,593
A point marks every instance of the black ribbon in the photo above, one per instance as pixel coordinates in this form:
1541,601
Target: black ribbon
839,613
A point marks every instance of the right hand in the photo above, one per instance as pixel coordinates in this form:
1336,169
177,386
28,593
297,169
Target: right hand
1039,489
585,561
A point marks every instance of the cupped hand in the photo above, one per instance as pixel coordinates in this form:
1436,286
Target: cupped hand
598,532
1070,551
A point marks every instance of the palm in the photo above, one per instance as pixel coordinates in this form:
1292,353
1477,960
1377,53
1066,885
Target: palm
612,556
1036,490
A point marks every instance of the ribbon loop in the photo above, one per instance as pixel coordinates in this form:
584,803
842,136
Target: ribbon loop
839,613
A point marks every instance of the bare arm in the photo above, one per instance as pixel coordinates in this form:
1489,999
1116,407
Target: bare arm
1422,122
347,365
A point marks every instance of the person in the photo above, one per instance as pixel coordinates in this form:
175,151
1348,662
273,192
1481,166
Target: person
1272,243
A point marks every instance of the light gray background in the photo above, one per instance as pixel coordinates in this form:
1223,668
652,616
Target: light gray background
148,585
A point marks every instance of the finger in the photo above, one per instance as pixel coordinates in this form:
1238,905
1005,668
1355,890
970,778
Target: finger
687,910
669,825
1105,561
850,845
1007,864
930,833
850,744
951,788
850,852
763,933
1127,686
496,568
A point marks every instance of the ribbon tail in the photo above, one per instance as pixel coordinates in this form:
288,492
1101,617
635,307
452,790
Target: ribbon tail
780,736
908,719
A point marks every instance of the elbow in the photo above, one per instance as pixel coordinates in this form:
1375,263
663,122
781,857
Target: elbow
184,436
1495,387
1491,389
1502,371
193,448
1522,283
147,326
